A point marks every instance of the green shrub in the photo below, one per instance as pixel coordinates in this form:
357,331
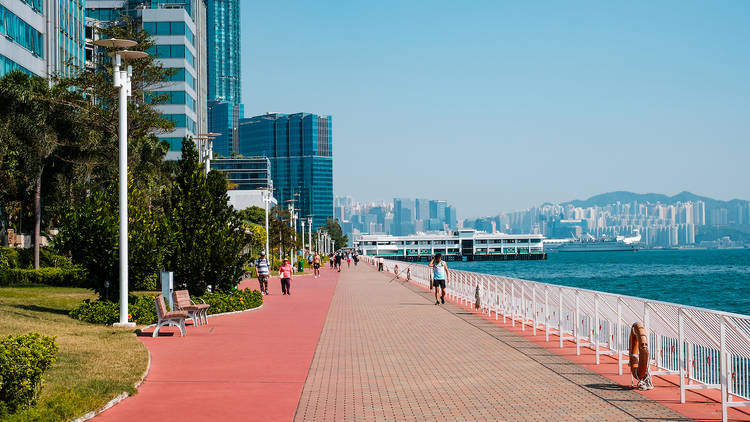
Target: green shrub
50,276
47,258
8,258
236,300
23,360
142,310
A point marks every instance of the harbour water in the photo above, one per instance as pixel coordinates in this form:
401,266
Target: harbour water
714,279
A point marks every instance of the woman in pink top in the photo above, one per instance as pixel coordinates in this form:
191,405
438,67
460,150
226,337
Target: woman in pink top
286,277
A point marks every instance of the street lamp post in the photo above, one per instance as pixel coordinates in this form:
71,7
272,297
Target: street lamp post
309,233
267,201
122,79
304,254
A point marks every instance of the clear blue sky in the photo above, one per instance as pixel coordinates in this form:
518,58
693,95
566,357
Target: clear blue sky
498,105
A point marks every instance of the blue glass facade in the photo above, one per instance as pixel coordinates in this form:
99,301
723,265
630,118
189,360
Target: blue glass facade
223,39
224,118
300,147
245,173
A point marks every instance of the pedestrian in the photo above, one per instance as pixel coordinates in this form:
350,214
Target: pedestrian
349,260
408,273
381,262
330,259
395,271
262,267
439,276
356,259
285,272
338,261
316,265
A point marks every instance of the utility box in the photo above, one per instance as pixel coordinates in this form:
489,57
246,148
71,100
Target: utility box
167,285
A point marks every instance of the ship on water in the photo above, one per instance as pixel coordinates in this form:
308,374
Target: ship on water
591,244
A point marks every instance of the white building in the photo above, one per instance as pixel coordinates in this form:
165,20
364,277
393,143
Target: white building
464,244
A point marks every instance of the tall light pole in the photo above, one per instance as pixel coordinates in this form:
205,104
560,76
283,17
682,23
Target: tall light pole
122,79
309,233
304,254
205,148
267,201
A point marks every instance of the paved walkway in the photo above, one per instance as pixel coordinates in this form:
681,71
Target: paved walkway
387,353
239,367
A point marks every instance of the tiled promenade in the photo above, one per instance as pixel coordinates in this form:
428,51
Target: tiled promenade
387,353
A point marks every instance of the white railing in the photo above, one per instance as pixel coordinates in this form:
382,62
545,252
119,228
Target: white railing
707,349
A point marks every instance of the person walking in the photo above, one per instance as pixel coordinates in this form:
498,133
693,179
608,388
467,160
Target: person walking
338,261
285,272
349,260
316,265
381,262
262,267
439,276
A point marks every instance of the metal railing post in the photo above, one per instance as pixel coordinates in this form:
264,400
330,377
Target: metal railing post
724,380
497,298
597,328
505,302
559,318
680,351
523,308
533,307
546,313
577,329
512,305
618,332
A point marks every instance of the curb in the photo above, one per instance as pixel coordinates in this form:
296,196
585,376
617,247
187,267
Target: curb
122,396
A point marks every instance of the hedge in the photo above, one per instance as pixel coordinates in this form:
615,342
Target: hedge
50,276
142,310
23,360
24,258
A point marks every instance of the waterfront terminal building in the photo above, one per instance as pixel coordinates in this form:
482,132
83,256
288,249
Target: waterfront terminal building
456,245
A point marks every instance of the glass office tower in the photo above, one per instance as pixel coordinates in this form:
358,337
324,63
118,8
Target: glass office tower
42,37
223,36
300,148
224,118
225,105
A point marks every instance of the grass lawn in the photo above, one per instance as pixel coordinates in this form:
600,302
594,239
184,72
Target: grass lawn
94,363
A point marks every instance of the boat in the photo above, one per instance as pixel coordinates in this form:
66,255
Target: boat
621,243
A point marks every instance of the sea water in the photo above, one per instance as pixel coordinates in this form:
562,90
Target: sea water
714,279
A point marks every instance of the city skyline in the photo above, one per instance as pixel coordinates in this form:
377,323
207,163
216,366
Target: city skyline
569,100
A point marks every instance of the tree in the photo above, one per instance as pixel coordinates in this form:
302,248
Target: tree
90,235
206,237
38,122
334,230
281,234
254,215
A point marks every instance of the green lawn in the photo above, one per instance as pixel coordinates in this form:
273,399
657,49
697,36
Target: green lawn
94,364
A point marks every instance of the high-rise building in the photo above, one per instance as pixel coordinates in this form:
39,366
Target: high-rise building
42,37
223,33
224,119
178,30
225,98
404,216
300,147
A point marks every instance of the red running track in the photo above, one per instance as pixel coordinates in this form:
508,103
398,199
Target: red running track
246,366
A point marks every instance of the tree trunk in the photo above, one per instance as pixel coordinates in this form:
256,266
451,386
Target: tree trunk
37,216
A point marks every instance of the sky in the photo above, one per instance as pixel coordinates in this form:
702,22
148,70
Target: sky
499,106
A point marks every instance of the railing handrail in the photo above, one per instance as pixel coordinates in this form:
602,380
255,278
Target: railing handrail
685,340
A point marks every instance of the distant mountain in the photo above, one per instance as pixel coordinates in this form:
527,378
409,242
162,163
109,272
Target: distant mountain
629,197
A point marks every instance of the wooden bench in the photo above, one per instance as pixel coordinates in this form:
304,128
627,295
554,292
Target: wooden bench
197,312
176,318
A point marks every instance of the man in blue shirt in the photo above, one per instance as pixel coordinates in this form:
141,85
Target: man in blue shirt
263,272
